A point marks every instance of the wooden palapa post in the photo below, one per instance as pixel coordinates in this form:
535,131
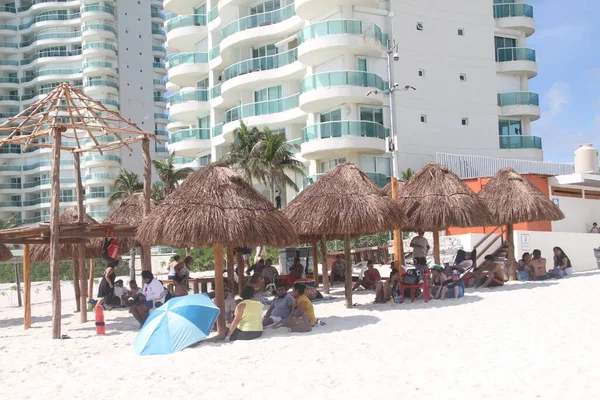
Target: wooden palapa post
91,280
398,242
27,284
79,249
324,267
75,262
219,289
55,232
230,270
348,274
510,237
315,254
436,247
145,255
240,271
18,283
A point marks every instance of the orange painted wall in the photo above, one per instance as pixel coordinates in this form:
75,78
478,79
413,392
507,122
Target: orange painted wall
541,182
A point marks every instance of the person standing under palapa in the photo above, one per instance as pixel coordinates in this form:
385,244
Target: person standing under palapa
420,247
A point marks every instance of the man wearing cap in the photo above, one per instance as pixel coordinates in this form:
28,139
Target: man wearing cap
454,287
437,279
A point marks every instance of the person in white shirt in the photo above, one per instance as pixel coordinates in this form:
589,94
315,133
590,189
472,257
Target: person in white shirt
467,262
420,247
151,290
595,228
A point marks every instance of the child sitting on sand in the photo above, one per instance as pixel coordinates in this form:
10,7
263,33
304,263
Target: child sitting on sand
454,287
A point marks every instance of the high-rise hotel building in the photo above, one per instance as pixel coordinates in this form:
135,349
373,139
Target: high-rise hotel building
112,50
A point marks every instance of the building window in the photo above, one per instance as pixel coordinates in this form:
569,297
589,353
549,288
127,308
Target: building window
508,127
503,43
462,77
263,51
371,114
465,121
266,6
424,118
204,160
329,164
272,93
335,115
421,73
461,32
362,64
204,122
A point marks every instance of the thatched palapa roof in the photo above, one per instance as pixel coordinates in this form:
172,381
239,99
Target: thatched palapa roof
41,252
344,201
387,189
435,199
513,199
215,205
5,253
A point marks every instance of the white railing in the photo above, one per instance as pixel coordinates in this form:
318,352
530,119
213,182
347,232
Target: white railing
466,166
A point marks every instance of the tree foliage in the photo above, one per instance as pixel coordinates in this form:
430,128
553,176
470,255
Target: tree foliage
169,175
126,183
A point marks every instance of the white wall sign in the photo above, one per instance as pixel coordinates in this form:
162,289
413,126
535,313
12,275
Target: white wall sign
525,243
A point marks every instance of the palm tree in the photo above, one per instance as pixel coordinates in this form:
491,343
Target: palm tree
9,223
157,192
272,159
406,175
169,174
240,153
127,183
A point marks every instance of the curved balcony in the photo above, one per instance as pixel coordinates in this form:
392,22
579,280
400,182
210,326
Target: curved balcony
515,16
213,19
348,136
9,83
311,9
47,39
100,86
517,60
265,113
95,68
99,49
520,142
262,28
92,32
189,142
329,89
98,179
95,12
8,30
40,6
9,99
63,74
7,11
188,105
186,69
174,125
182,7
50,21
51,56
519,104
323,41
245,74
100,160
184,31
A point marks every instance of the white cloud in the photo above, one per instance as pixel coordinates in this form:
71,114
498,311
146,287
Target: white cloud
556,98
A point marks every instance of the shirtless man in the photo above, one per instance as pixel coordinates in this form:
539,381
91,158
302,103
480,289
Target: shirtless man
338,270
538,266
490,274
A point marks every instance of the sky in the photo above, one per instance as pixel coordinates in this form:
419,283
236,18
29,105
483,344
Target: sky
568,81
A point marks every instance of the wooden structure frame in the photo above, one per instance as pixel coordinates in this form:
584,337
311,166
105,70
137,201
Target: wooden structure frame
69,119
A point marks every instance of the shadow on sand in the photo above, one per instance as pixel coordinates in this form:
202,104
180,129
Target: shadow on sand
10,322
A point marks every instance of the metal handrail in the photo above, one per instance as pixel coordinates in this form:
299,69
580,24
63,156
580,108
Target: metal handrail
501,237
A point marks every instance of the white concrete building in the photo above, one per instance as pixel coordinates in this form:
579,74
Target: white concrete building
115,52
317,71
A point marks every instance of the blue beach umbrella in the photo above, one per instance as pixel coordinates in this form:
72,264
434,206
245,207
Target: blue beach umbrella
177,324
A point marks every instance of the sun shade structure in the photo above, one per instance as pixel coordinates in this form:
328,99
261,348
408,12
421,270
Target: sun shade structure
5,253
398,240
67,120
215,207
344,203
435,199
387,189
512,199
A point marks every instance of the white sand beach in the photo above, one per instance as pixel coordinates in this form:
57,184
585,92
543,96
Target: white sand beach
534,340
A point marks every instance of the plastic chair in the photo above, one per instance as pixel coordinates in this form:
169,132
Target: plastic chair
424,286
363,267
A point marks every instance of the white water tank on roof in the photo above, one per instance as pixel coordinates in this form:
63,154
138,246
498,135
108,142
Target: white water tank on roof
586,159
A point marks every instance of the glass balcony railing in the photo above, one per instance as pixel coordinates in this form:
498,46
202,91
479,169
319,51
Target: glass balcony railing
97,8
98,214
257,20
515,54
214,52
101,64
190,134
212,14
186,20
261,108
10,168
380,179
157,14
215,91
513,10
50,17
159,49
186,58
189,95
109,102
518,99
9,80
160,99
183,160
39,182
45,163
160,116
342,78
53,54
9,97
10,186
99,27
30,3
53,35
158,65
158,31
90,177
46,72
10,149
10,203
9,45
260,64
101,82
6,27
8,8
99,195
98,45
161,149
103,157
9,62
339,27
334,129
217,130
520,142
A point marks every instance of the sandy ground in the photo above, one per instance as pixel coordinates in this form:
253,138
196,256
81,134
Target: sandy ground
522,341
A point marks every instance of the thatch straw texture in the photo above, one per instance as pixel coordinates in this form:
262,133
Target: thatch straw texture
513,199
344,201
215,205
435,199
5,253
41,252
387,189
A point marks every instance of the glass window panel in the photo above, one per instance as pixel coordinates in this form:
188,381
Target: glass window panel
368,164
384,166
378,116
366,114
362,64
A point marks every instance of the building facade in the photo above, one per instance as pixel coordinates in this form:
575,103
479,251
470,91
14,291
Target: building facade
115,53
317,70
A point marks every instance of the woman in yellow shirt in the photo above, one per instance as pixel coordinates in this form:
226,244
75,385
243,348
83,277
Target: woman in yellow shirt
247,322
302,318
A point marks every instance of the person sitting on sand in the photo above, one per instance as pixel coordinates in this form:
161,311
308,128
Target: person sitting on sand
151,290
269,272
107,284
490,274
562,261
370,278
295,273
390,289
538,265
437,278
453,288
258,283
247,321
523,268
256,268
130,294
280,309
302,317
338,270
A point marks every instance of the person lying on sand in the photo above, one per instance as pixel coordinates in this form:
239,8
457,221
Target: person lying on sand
491,274
370,278
302,316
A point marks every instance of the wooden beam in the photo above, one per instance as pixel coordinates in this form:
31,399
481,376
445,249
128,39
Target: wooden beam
241,270
398,243
41,241
436,247
348,273
145,254
91,281
510,238
27,284
18,283
82,283
230,269
324,266
54,238
219,288
315,254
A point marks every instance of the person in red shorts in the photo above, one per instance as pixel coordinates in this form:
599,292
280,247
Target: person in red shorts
370,278
295,273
